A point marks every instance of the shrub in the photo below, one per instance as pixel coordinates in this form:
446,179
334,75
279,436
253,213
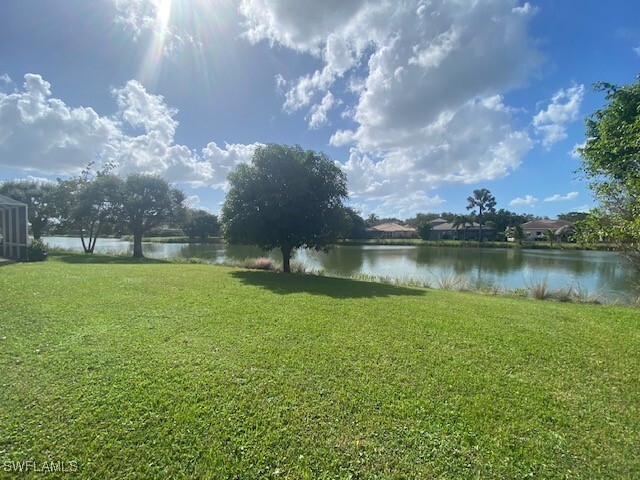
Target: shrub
37,251
261,263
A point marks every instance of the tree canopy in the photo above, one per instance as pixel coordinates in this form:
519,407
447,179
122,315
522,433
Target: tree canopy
200,223
89,203
37,196
611,164
286,198
148,201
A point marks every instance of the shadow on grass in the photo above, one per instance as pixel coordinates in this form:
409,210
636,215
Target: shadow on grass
82,258
284,284
5,262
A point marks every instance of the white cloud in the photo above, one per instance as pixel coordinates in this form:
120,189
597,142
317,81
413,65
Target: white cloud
195,202
223,161
584,208
4,78
526,201
637,50
551,123
427,77
561,198
39,133
43,134
574,151
318,115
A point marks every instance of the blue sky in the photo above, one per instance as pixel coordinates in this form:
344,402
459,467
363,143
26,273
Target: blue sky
421,102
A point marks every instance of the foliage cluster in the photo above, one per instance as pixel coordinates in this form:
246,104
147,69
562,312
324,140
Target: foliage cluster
286,198
37,251
611,164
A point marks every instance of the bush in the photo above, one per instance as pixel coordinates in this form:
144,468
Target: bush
38,251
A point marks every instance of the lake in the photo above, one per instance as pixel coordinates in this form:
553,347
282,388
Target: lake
604,275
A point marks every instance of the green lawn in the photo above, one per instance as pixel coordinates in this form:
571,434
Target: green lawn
160,370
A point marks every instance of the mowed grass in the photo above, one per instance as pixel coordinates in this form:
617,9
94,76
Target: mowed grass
156,370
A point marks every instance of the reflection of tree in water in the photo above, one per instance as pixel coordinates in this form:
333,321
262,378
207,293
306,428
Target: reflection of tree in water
206,251
468,261
343,260
239,253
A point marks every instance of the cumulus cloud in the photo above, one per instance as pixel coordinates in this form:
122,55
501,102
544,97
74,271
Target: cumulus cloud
551,123
427,78
195,202
6,79
318,114
41,133
560,198
526,201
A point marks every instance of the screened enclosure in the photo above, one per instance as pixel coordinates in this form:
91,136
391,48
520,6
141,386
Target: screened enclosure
14,229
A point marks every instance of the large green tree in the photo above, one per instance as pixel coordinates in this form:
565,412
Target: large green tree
286,198
148,201
611,164
481,202
39,199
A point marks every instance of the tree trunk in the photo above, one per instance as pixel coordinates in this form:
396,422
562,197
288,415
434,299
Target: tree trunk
286,259
137,245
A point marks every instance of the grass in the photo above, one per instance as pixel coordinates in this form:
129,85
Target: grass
162,370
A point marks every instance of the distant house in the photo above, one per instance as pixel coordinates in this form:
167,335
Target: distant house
443,230
535,230
391,230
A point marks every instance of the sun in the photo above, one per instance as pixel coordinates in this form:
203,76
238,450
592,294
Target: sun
163,14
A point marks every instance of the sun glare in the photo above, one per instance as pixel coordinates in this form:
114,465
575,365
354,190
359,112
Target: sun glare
163,14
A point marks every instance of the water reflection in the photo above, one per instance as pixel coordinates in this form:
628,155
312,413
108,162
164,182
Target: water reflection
601,273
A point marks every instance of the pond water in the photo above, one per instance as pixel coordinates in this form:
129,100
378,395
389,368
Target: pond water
604,275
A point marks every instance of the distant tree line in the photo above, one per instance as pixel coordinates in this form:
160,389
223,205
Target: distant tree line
98,203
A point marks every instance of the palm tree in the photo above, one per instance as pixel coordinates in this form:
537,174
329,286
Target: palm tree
485,202
550,235
462,221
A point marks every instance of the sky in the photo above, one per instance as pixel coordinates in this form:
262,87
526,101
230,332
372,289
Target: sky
420,102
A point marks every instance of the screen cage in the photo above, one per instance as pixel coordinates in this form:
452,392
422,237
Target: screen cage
14,229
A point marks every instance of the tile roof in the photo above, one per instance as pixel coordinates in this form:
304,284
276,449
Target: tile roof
391,227
546,224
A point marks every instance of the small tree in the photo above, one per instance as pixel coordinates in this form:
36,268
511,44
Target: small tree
484,202
39,199
610,163
424,230
462,221
549,235
516,232
148,201
89,203
287,198
201,223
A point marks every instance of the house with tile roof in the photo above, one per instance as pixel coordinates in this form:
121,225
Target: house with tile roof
471,231
535,230
391,230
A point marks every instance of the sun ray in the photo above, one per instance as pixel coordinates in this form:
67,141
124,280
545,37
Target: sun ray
160,41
